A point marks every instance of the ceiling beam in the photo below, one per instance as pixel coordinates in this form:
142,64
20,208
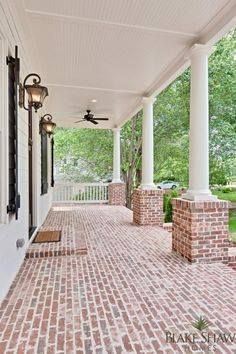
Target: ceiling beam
103,89
58,16
222,23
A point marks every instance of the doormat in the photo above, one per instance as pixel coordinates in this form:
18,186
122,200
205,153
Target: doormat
47,236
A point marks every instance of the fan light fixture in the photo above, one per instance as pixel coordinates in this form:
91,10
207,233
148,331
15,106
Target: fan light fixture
89,117
36,93
47,124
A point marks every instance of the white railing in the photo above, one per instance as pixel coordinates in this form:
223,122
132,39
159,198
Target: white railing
81,192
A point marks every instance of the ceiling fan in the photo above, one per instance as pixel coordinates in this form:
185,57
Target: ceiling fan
89,117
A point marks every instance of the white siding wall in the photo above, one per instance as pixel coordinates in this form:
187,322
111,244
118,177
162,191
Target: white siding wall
10,229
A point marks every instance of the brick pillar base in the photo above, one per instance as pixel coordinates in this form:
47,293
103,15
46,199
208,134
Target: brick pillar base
116,194
200,230
148,207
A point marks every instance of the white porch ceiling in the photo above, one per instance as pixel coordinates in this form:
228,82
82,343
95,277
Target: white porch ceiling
116,51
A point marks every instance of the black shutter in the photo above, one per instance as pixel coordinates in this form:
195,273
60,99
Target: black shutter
52,162
13,82
44,162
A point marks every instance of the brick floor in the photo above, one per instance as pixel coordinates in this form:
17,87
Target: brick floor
121,297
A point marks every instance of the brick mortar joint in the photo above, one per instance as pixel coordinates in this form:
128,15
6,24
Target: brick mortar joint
188,205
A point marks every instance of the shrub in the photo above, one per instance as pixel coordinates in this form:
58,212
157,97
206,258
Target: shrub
168,205
227,189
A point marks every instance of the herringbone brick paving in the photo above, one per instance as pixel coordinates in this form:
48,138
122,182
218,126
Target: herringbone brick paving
121,297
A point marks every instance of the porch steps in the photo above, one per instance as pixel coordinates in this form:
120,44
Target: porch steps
54,253
73,240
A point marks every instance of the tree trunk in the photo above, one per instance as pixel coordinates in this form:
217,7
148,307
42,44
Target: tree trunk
134,161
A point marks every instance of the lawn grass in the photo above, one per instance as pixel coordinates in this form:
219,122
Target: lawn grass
230,196
232,224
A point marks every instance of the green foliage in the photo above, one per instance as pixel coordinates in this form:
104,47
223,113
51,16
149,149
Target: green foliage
171,124
227,189
84,155
201,324
232,223
222,78
229,193
168,205
217,173
222,151
131,138
226,194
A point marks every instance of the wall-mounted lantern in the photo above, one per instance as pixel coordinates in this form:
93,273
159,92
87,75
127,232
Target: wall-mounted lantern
36,93
47,124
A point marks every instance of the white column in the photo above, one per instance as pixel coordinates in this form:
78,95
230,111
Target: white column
147,144
116,156
199,126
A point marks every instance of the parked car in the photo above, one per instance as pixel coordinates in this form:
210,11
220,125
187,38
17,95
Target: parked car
167,185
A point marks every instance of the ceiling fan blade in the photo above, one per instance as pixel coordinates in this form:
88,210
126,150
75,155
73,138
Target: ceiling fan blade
93,121
101,118
78,121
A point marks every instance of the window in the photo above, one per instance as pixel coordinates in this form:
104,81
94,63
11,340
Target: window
44,162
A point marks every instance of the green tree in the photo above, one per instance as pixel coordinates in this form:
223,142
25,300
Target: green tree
131,153
222,79
84,155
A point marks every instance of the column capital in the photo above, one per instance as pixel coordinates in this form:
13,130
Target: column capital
198,49
148,100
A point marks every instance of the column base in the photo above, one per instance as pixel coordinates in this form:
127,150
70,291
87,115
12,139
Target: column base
148,207
200,230
199,195
116,194
150,186
116,181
